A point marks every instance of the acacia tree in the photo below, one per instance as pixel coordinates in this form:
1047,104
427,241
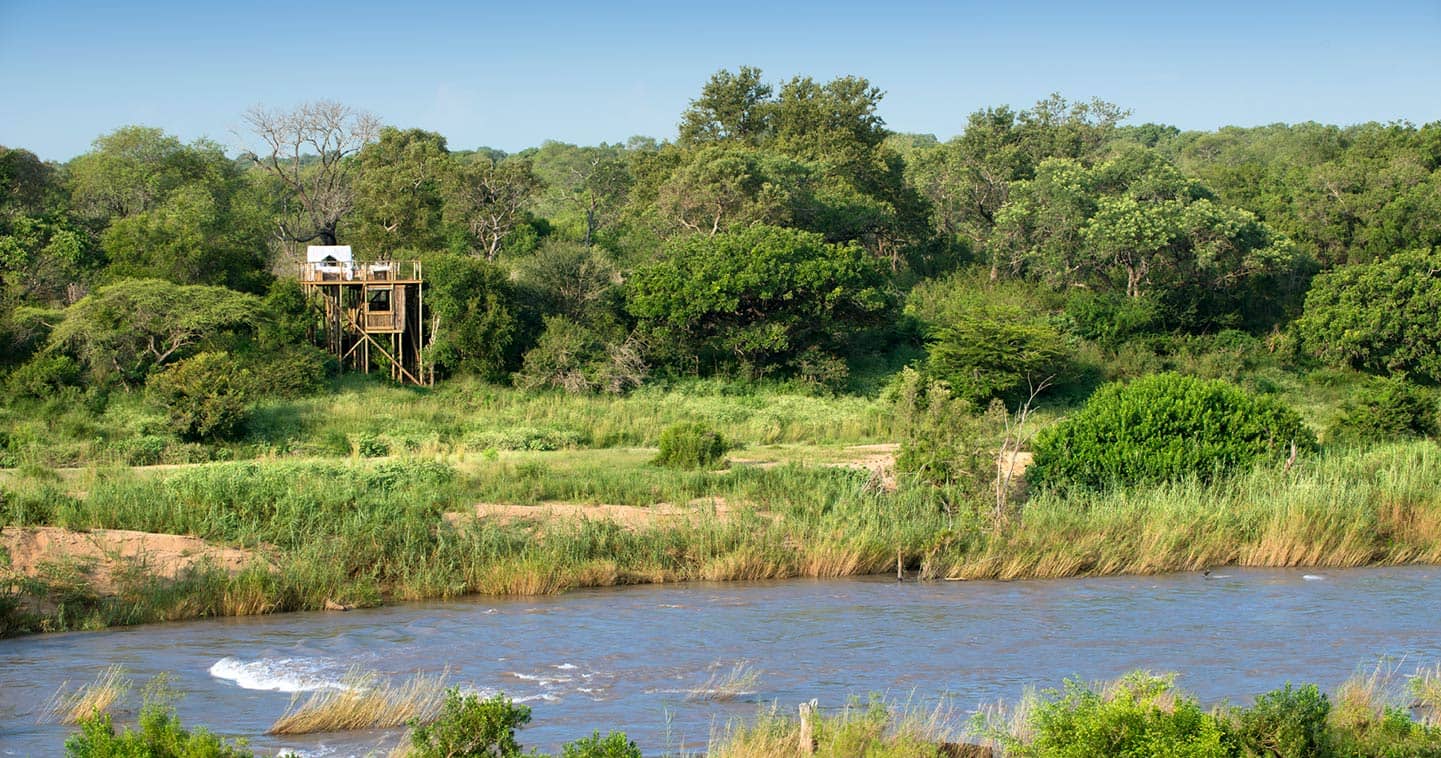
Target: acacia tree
308,149
132,325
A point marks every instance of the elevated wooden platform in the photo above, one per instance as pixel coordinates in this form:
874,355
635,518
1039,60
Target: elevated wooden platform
372,314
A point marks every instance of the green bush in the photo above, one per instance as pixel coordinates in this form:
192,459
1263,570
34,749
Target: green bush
613,745
469,726
1141,715
159,736
943,440
1110,318
525,438
144,450
371,446
1286,723
1378,317
1386,409
290,371
44,375
205,396
690,445
1162,428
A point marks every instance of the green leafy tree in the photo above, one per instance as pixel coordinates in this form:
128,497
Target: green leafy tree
399,192
1378,317
758,297
123,329
479,327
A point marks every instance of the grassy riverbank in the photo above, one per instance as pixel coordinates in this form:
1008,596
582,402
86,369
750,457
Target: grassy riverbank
359,532
1377,714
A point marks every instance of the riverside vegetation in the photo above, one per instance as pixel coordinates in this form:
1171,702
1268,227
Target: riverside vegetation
1138,714
1220,347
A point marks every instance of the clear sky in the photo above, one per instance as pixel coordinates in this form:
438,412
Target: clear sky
511,75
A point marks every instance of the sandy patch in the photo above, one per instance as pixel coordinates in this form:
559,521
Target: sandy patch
102,551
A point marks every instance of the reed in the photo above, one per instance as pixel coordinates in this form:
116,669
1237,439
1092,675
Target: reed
873,728
89,700
1425,691
724,686
364,701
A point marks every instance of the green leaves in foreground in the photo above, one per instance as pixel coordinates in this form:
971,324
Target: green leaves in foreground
1163,428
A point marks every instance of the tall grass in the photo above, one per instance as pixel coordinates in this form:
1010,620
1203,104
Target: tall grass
364,701
89,700
874,728
360,532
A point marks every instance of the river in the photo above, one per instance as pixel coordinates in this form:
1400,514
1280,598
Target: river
629,658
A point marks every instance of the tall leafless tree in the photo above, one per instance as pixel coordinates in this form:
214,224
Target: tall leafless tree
490,197
308,149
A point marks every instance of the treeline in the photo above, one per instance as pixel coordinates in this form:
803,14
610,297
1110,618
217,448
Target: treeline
784,233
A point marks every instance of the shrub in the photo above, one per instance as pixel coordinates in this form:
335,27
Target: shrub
1286,723
690,445
205,396
1111,318
524,438
44,375
613,745
1386,409
291,371
572,357
159,735
371,446
1139,715
943,441
469,726
145,450
1378,317
1164,427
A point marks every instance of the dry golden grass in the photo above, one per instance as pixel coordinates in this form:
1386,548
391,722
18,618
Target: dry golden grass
1362,699
97,697
724,686
875,730
745,564
364,702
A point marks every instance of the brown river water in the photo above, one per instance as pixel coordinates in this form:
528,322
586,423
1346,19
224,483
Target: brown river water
631,658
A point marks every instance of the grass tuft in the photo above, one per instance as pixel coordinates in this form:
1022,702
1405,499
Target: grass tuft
89,700
364,701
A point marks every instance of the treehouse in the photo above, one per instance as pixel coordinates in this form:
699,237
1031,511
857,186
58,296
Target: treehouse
372,312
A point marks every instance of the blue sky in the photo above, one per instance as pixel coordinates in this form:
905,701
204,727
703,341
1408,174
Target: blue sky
511,75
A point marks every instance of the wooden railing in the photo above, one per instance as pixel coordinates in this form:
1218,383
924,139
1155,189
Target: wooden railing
382,321
345,272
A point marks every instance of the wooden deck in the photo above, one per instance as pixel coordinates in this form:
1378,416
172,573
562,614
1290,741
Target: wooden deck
376,272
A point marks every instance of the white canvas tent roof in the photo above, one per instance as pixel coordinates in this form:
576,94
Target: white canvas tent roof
318,253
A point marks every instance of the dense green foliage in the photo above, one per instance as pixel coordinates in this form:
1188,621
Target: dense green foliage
205,396
1138,716
690,445
1146,715
1286,723
1386,409
471,727
1380,316
1163,428
761,297
159,735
